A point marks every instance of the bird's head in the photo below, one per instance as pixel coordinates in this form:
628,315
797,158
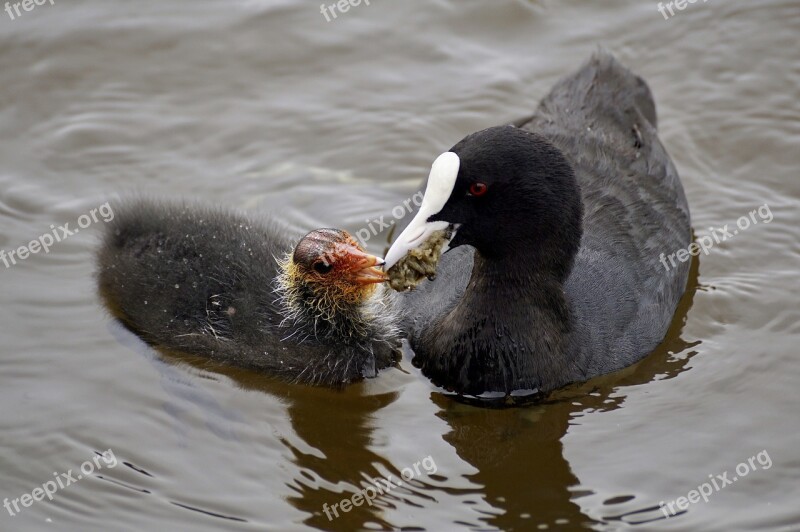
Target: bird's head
329,273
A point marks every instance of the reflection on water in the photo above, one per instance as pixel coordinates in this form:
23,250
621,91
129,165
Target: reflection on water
267,107
509,448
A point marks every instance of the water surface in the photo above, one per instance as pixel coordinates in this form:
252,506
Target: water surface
265,106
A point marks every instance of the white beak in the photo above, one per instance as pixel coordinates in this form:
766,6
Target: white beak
444,172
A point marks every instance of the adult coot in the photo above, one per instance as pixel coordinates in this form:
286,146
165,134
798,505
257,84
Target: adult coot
566,215
216,284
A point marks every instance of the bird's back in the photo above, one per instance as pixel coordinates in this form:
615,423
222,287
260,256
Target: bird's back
195,279
603,119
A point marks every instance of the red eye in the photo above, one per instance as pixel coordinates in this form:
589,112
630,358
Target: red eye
478,189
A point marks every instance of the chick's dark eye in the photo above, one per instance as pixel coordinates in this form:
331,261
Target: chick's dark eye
322,267
478,189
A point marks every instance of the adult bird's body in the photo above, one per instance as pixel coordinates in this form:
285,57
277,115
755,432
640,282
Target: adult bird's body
553,274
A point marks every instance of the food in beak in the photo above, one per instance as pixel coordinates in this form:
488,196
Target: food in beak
420,262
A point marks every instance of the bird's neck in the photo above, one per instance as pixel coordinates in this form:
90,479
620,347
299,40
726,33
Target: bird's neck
509,331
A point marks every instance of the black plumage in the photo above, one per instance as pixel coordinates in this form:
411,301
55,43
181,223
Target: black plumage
215,283
553,276
561,279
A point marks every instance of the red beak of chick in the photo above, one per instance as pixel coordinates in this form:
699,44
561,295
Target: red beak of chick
358,266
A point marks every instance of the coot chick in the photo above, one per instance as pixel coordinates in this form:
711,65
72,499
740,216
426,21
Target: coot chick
565,217
215,284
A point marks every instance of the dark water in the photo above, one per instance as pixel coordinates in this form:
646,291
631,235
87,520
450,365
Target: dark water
263,105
